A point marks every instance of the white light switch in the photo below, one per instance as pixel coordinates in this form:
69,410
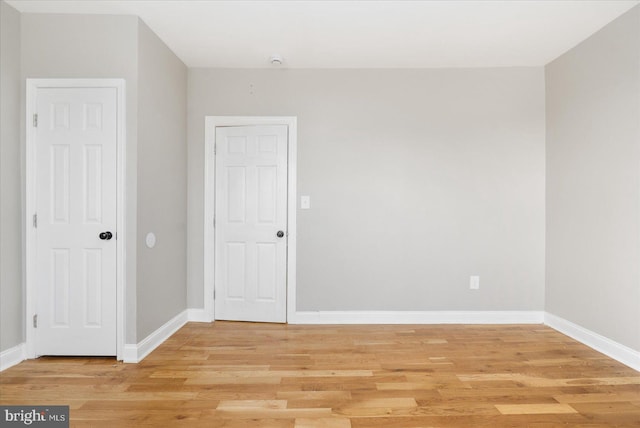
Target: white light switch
474,282
305,202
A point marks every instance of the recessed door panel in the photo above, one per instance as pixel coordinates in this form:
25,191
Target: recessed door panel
236,265
59,183
60,116
267,198
267,144
92,270
236,194
59,285
93,184
237,145
267,269
92,118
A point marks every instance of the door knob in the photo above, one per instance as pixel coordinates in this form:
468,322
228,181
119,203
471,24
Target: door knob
105,236
280,234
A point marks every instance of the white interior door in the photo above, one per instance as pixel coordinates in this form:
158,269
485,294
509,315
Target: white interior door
251,223
76,150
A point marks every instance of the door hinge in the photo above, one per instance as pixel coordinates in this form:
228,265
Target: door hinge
35,321
214,294
215,148
35,120
214,221
35,220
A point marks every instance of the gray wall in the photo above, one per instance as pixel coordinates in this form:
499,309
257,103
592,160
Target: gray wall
11,297
593,182
417,178
162,182
93,46
98,46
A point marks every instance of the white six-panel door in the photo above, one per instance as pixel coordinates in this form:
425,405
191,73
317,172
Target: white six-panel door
76,201
251,223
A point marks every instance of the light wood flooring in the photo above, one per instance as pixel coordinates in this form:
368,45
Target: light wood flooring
270,375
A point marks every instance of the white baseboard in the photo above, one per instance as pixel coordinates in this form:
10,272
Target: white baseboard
613,349
198,315
418,317
134,353
13,356
130,353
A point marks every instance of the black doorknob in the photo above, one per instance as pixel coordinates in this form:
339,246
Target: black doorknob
105,236
280,234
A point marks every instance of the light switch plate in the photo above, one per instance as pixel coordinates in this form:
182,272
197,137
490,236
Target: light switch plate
474,282
305,202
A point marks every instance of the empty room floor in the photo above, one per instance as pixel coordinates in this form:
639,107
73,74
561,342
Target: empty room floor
230,374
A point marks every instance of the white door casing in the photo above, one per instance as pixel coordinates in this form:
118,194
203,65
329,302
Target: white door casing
74,168
251,223
267,246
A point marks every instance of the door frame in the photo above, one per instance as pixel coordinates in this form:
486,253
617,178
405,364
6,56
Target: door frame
211,123
30,236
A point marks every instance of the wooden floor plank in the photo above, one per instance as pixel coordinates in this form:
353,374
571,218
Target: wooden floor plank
534,409
284,376
323,423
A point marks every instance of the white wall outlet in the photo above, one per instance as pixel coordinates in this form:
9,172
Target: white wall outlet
150,240
305,202
474,282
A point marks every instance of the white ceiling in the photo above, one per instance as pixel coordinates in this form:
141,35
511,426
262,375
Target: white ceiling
360,34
